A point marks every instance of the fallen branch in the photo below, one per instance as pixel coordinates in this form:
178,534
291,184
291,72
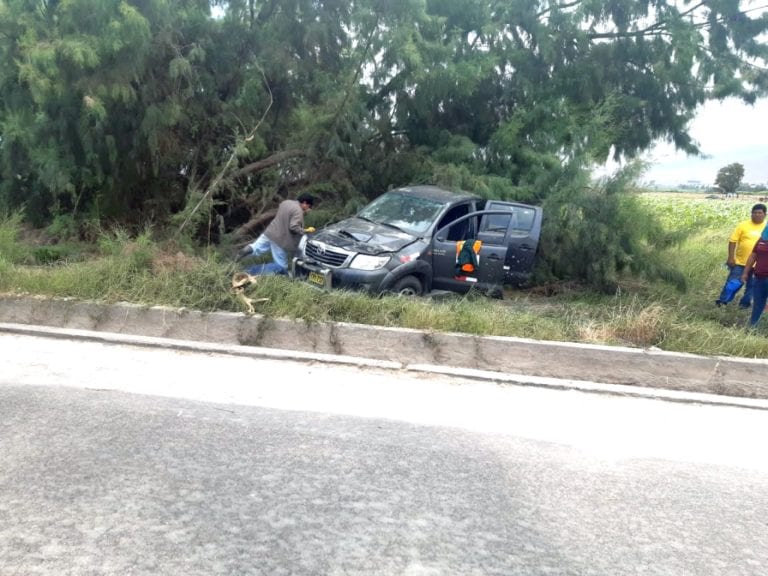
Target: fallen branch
267,162
255,223
239,282
216,182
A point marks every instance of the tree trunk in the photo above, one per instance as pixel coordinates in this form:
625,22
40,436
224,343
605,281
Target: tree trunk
264,163
254,226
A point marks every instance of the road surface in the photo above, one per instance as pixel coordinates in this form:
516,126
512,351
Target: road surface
118,460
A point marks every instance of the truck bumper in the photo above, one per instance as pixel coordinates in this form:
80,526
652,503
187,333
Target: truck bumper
373,281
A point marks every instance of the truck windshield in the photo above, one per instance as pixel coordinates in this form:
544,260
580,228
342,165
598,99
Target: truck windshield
409,213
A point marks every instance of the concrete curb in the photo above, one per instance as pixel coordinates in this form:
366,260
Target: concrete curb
596,387
735,377
199,347
310,357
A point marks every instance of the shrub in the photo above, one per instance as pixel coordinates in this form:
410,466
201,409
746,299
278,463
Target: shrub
11,250
599,233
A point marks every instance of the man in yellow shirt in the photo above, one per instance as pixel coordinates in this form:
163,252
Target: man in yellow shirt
740,245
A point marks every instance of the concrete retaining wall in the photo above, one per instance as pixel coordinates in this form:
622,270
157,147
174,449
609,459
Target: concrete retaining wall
615,365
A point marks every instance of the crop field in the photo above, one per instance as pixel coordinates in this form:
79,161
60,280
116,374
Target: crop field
707,224
692,211
689,322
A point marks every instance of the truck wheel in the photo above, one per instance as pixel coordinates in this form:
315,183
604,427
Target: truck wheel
495,292
407,286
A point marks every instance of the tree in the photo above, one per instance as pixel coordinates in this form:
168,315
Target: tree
729,177
154,109
514,88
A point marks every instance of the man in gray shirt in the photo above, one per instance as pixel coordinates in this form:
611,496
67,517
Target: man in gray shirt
281,237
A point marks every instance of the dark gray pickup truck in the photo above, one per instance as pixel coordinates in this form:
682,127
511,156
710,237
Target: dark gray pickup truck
409,241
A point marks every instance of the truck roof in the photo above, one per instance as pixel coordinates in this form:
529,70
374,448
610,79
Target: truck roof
436,193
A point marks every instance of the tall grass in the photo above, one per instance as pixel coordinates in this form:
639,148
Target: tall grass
642,314
11,250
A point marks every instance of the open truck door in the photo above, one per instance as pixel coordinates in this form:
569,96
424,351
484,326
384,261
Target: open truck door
518,231
504,237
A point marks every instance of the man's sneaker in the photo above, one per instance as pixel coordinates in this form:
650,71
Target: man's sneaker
745,306
719,303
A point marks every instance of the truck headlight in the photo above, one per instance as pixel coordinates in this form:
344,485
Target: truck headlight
365,262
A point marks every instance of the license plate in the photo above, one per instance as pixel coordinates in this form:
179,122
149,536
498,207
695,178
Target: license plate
316,278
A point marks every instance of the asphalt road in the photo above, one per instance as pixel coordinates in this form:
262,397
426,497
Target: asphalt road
131,461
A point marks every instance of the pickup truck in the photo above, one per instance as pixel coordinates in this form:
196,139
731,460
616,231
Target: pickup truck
408,241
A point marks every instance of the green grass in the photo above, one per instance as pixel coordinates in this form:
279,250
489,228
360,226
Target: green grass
143,271
11,249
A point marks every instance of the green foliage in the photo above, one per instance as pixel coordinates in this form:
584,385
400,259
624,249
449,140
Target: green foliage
113,243
134,254
729,177
600,233
156,111
11,249
694,214
636,314
49,254
63,226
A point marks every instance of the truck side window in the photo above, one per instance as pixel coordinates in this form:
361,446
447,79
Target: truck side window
497,223
458,232
493,228
524,221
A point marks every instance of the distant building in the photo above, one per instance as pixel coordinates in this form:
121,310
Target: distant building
692,185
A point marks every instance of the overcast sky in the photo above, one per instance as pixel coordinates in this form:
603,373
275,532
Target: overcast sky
727,132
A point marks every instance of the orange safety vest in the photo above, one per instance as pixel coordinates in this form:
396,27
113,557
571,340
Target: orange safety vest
466,264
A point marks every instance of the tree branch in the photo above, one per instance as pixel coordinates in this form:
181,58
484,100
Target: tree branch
266,12
564,6
213,186
255,223
276,158
660,27
358,69
633,34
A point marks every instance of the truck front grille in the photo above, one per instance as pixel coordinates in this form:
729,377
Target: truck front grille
325,254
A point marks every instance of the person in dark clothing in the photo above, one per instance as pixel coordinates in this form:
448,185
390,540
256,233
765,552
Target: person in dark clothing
757,266
281,238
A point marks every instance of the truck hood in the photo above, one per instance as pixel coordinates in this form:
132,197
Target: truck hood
362,236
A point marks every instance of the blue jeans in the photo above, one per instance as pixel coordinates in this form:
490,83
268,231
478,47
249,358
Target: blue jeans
734,274
279,264
760,297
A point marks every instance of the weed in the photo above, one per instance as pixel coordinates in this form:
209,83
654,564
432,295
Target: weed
11,250
639,313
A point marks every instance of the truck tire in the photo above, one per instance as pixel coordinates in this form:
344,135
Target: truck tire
407,286
496,292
